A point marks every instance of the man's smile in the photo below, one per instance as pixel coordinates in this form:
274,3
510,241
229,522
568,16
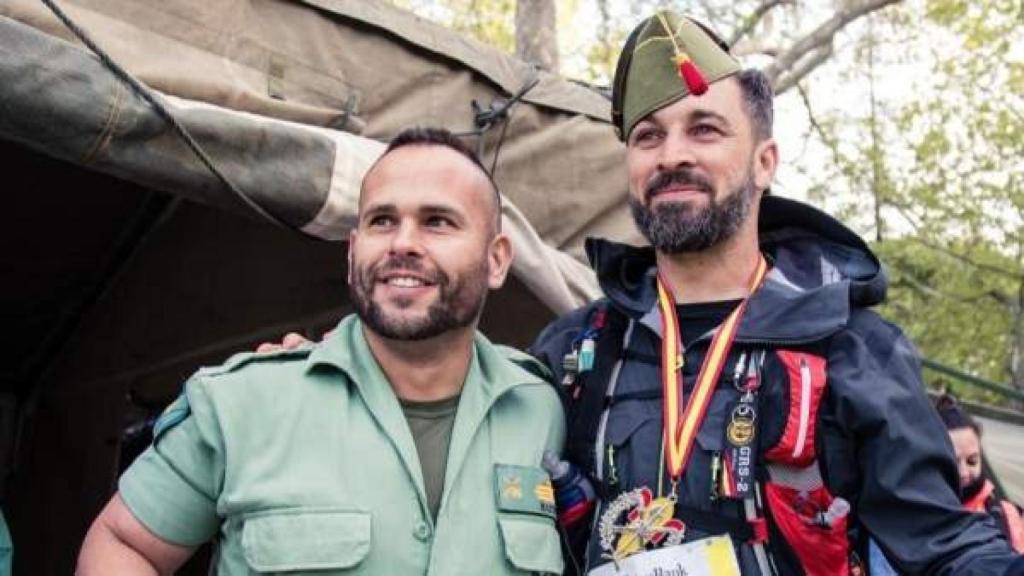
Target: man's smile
404,280
674,193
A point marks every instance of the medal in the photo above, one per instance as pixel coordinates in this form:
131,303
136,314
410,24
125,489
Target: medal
740,431
637,521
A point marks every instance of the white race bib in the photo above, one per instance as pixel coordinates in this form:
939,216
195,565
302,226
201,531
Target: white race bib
714,556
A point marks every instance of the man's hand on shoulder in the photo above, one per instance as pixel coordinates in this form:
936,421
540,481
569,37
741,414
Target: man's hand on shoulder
117,543
291,341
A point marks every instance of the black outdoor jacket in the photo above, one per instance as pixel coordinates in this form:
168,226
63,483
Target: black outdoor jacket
879,442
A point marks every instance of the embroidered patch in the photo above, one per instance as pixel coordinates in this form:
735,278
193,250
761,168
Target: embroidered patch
524,489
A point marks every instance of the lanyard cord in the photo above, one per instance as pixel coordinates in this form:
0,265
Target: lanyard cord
682,422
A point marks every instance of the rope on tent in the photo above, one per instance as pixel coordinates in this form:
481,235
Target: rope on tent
486,118
162,111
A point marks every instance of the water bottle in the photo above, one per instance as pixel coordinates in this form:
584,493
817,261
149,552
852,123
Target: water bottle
574,495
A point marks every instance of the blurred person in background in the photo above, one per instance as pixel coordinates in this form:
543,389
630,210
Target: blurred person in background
977,492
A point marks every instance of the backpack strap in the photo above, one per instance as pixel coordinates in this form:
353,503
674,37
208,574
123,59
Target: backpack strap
604,327
809,520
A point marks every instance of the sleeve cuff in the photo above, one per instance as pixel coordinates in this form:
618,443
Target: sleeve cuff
165,503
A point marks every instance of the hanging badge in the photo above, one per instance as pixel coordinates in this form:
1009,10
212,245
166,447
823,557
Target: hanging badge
741,437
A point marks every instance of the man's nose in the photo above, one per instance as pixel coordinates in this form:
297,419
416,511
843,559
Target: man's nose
676,152
406,239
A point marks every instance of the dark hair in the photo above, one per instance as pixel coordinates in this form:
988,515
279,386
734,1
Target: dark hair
953,415
758,97
429,136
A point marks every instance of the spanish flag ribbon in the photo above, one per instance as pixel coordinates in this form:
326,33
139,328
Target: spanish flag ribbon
682,421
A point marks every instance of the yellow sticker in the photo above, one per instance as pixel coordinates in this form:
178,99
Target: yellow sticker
721,556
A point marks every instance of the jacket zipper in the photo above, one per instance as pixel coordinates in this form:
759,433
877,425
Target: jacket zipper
805,407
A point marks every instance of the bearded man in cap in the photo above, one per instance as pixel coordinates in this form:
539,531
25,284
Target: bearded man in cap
735,402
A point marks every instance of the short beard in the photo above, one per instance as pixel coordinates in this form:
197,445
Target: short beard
458,304
676,227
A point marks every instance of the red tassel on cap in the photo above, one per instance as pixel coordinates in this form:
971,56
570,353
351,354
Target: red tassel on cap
690,74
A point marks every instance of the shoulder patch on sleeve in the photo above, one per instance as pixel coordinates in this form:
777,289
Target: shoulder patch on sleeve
242,359
526,362
173,415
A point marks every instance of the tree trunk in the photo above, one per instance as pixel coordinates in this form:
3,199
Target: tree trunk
1017,344
536,36
878,172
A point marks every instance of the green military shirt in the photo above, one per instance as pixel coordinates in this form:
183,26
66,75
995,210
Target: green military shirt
6,548
303,462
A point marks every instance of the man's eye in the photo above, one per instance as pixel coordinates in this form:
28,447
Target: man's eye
381,220
705,130
644,135
439,222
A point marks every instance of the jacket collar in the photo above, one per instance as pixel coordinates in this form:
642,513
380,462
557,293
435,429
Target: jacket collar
820,270
346,350
490,375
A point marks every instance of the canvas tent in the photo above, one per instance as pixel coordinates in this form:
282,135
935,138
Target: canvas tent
129,262
302,71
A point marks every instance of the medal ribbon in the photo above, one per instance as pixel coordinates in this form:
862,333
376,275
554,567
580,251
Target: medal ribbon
681,423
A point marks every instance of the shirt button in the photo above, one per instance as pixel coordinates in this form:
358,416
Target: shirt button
421,531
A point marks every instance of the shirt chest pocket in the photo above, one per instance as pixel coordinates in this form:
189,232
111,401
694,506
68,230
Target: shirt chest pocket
633,448
531,543
305,540
525,502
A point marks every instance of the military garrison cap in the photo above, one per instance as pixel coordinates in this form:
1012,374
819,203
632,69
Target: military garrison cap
665,58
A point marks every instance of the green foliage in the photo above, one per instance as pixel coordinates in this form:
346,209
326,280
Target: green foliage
951,311
950,192
489,21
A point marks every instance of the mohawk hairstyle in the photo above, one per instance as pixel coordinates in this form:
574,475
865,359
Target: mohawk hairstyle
432,136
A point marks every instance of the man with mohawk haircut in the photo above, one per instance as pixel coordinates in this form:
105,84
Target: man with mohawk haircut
404,443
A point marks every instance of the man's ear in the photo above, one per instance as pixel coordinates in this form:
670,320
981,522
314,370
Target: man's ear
499,260
766,161
348,255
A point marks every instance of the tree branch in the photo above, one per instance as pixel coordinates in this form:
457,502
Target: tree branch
754,46
1002,299
751,21
821,36
914,220
914,283
1016,276
807,65
826,138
